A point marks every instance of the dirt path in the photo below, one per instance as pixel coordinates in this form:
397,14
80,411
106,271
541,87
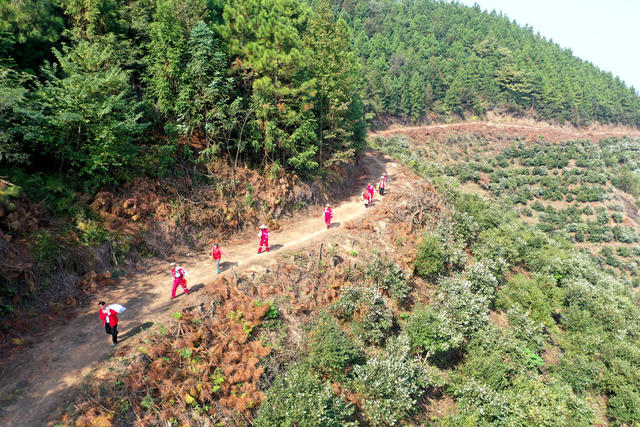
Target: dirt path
46,376
527,131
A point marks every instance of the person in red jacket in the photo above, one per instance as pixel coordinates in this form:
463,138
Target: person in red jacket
264,238
371,190
382,184
216,254
109,319
179,279
367,198
328,214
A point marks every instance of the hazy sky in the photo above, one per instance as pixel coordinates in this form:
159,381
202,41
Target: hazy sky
605,33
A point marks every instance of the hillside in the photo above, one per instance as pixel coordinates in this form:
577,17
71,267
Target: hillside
434,306
580,186
494,283
128,129
427,60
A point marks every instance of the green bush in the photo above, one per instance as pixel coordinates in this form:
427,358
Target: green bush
625,234
530,402
431,334
298,398
464,310
623,251
537,206
617,217
431,258
388,276
367,311
332,352
624,406
92,232
580,371
534,296
391,383
482,276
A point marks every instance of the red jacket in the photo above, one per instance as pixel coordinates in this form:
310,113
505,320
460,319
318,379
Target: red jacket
112,314
382,183
216,253
328,214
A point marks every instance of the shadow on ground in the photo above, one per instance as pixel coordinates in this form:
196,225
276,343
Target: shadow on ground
135,331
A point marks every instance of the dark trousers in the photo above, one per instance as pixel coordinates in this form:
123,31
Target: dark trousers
112,331
382,191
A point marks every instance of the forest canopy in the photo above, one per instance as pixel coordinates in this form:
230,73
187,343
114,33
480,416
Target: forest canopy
106,90
425,58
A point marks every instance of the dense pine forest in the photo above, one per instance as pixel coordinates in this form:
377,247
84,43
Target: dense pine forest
427,59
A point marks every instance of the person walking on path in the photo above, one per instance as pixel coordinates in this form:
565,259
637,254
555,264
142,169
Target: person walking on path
109,316
216,254
264,238
367,197
382,184
179,279
371,190
328,214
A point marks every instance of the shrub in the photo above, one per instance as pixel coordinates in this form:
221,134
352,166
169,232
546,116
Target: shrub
482,276
537,206
297,398
430,333
528,402
391,383
533,296
92,232
464,310
625,234
580,371
617,217
332,351
623,251
602,217
366,309
624,406
432,256
388,276
524,328
526,211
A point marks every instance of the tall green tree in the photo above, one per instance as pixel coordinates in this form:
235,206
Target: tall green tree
91,116
19,118
204,98
265,44
337,104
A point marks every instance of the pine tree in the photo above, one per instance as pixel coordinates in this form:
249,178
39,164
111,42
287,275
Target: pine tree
340,127
91,116
265,42
205,88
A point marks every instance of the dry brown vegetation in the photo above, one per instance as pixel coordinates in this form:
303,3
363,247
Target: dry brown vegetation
224,344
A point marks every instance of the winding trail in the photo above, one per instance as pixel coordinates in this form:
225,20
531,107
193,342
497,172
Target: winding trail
40,380
529,131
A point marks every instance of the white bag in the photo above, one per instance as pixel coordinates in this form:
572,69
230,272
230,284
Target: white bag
117,308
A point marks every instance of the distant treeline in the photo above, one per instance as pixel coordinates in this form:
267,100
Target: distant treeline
433,58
